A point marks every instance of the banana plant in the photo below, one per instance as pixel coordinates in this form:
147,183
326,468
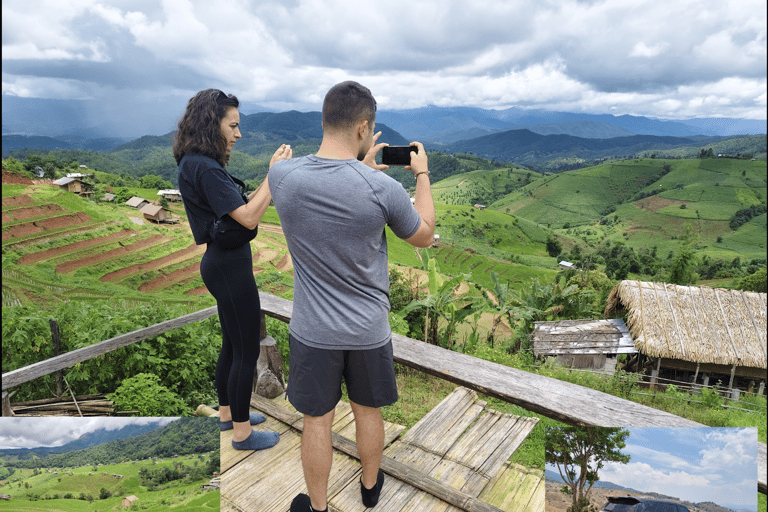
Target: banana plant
442,300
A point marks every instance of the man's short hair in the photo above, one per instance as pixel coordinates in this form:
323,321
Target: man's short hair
346,104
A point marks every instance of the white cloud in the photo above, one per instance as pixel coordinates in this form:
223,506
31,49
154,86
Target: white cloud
643,50
691,58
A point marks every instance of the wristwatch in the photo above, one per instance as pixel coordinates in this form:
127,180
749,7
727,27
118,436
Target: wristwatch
416,175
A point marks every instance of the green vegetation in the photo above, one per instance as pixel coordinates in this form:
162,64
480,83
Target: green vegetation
164,467
609,220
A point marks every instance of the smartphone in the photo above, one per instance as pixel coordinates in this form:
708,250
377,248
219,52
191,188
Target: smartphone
397,155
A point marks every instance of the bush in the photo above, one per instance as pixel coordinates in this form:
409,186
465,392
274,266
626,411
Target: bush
145,394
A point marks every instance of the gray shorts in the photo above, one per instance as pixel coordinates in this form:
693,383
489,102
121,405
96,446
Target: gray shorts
314,377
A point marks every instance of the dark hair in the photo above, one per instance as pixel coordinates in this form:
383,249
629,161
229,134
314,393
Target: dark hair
199,129
346,104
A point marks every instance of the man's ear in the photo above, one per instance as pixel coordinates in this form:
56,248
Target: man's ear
362,128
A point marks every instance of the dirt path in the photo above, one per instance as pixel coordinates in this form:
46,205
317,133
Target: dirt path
32,258
114,253
160,262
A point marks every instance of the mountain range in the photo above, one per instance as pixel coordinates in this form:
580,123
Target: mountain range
576,140
182,436
95,438
440,125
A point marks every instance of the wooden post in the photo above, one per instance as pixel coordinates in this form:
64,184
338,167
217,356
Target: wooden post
268,378
761,387
733,373
7,411
655,374
55,334
696,388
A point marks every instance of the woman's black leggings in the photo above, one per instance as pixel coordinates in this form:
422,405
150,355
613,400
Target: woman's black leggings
228,275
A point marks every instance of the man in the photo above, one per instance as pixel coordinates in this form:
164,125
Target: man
333,207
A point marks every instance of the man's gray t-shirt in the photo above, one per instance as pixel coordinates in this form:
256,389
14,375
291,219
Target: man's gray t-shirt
333,214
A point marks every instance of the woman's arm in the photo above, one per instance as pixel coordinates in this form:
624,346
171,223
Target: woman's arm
250,214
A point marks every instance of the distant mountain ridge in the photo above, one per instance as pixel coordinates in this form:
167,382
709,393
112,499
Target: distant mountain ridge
526,147
182,437
95,438
91,119
450,124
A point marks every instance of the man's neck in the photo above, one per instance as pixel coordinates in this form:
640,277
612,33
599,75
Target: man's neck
335,148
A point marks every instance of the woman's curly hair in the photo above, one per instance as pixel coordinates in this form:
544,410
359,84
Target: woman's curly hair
199,129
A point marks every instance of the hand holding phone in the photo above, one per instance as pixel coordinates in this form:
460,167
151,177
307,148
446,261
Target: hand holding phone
397,155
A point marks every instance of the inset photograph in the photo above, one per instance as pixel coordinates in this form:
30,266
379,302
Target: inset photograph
105,464
591,469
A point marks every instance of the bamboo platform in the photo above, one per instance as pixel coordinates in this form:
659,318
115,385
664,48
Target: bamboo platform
454,459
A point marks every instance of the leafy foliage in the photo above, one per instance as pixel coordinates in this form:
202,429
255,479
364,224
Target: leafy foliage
745,215
144,393
184,358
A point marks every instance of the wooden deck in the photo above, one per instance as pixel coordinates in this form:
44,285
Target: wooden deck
455,458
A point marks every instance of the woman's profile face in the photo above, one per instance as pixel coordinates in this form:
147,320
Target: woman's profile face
230,127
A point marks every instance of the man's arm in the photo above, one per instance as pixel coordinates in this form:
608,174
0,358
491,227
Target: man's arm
423,202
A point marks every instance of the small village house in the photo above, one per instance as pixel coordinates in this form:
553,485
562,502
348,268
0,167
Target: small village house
73,185
137,202
583,344
154,212
129,500
108,197
170,194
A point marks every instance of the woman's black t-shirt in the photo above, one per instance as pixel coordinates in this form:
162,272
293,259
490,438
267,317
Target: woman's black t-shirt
209,192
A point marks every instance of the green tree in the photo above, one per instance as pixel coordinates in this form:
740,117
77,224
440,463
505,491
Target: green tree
554,247
756,282
579,453
684,263
13,165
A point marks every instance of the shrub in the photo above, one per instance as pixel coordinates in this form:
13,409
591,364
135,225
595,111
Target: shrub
145,394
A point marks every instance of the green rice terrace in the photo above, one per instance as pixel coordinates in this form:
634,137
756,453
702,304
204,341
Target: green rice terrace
103,487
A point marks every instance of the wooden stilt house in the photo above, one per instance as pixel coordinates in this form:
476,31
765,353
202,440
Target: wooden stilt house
696,334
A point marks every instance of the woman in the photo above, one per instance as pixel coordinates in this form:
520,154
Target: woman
221,216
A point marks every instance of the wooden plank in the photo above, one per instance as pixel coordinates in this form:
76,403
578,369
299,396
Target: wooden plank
516,489
388,465
33,371
563,401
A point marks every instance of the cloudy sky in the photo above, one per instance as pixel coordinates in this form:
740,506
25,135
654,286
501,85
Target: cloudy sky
694,464
57,431
659,58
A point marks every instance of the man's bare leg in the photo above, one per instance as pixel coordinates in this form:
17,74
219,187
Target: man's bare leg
369,430
317,456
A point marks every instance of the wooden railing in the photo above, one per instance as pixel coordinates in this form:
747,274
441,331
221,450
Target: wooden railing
563,401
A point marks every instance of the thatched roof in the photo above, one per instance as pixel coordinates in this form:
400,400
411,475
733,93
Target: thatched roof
697,324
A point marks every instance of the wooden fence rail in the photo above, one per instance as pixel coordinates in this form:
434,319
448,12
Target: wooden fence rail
563,401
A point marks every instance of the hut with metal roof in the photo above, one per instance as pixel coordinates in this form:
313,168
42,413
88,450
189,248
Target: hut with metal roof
699,333
583,344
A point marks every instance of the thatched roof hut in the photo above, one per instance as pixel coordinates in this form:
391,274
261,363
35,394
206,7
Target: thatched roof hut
701,325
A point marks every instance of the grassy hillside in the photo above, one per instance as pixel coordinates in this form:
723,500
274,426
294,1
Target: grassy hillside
642,203
38,492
